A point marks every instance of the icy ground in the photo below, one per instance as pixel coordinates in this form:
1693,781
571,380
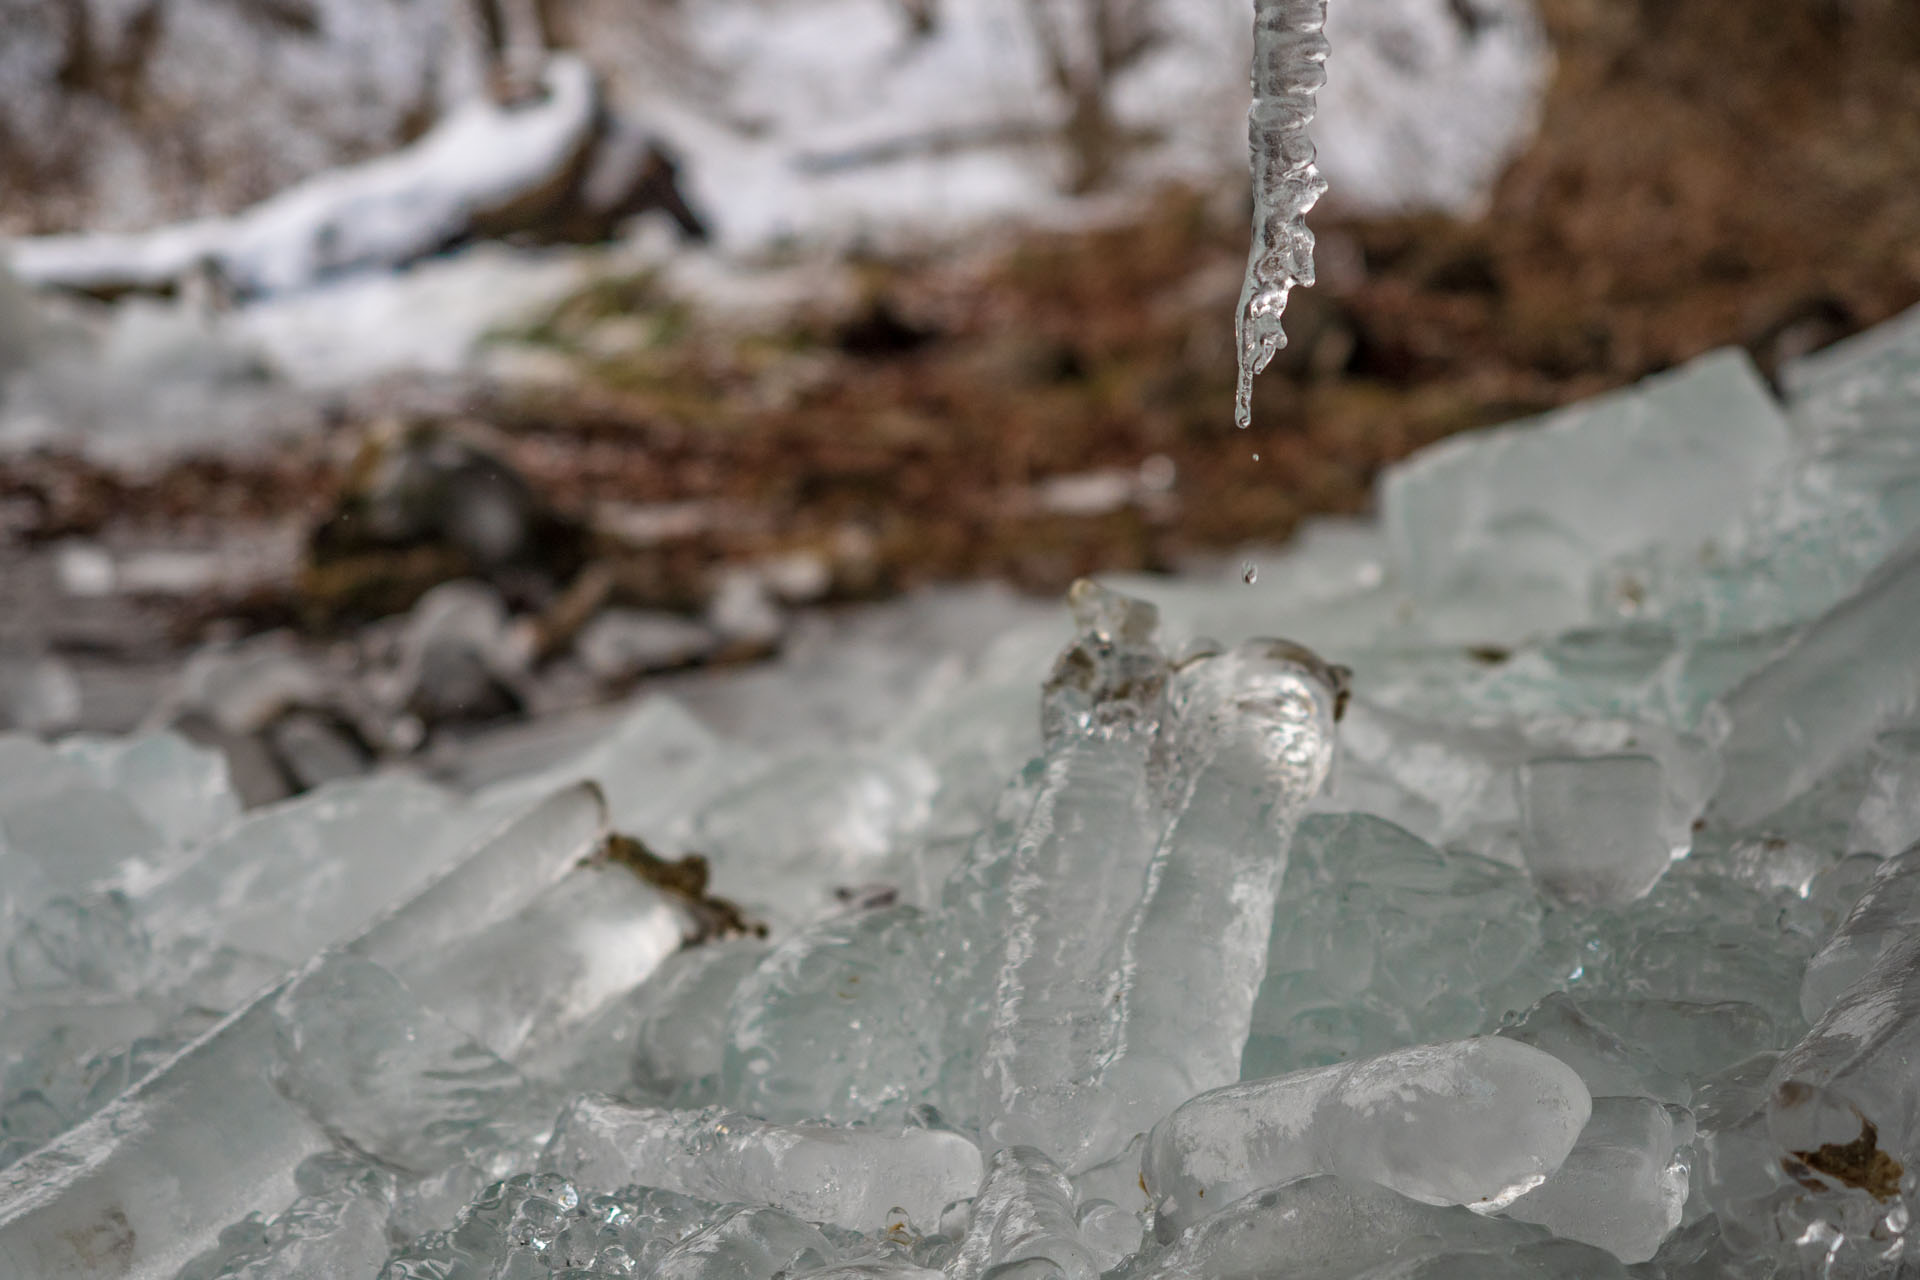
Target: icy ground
1565,929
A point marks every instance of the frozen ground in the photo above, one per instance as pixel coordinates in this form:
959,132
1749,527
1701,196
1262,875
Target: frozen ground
1564,930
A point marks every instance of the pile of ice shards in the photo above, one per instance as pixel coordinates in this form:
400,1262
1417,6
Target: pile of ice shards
1569,926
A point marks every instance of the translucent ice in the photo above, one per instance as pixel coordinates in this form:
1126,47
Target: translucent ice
1380,940
847,1176
656,766
1609,1065
592,936
1888,819
785,837
209,1137
1328,1226
1289,66
1037,939
841,1022
1845,677
1590,826
183,790
680,1032
748,1244
358,1054
1456,783
300,876
1844,1099
1475,1122
1252,741
1529,513
1886,914
336,1228
148,1182
68,828
543,1223
500,875
1815,532
1620,1187
1024,1213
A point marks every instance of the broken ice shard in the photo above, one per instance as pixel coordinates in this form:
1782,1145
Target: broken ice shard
539,974
1888,819
841,1022
1527,515
679,1036
1474,1122
847,1176
209,1138
358,1054
342,1052
1330,1226
533,1224
1590,826
1252,739
1381,940
1024,1213
1885,915
1620,1188
1848,675
337,1228
182,789
1074,877
149,1181
748,1243
63,828
1845,1100
290,880
1610,1065
498,877
1289,66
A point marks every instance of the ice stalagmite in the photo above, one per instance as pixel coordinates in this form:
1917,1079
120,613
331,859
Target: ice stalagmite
1289,57
1024,1212
1075,875
1252,741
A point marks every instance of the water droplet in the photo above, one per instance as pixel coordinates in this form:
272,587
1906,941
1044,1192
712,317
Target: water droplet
1256,457
1248,572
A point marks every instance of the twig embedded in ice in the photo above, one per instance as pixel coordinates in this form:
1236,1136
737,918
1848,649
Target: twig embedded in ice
1289,57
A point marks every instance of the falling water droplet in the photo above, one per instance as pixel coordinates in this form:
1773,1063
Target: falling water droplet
1248,572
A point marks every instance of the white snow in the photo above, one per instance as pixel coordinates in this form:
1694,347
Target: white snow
376,215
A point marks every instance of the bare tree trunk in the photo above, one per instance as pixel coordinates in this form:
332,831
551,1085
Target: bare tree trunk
1086,48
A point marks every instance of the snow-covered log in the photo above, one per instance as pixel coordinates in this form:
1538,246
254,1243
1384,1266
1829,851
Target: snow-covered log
484,168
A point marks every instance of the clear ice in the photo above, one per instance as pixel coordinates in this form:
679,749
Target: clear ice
1473,1122
1569,926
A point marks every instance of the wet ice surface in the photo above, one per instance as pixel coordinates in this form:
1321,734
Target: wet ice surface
1570,931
